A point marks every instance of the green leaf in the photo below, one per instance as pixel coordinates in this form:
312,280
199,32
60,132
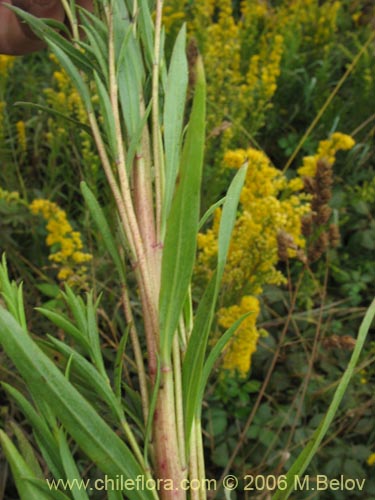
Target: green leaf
88,429
70,467
20,470
53,112
107,114
192,370
146,29
303,460
91,377
27,451
182,225
41,430
68,327
215,353
73,73
117,372
103,227
51,492
210,211
174,107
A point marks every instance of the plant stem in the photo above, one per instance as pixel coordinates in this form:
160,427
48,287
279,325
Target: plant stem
156,139
167,455
179,401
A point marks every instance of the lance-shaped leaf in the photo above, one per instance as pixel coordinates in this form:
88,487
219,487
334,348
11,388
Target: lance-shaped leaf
79,418
102,225
20,471
174,106
182,226
70,467
43,435
192,370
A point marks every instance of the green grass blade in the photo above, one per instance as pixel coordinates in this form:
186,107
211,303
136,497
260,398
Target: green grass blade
117,371
107,114
192,370
228,218
88,429
102,225
210,211
42,486
67,63
68,327
215,353
54,112
41,430
70,467
174,107
182,226
303,460
20,470
27,450
85,370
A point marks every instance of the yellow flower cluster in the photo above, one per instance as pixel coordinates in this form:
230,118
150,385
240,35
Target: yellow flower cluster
238,354
327,150
371,460
66,244
270,204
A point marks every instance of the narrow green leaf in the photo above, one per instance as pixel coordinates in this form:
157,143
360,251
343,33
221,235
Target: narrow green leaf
136,138
193,382
117,371
20,470
103,227
77,308
146,28
228,218
174,107
53,112
182,226
93,335
68,327
91,377
210,211
303,460
214,355
130,83
107,113
50,491
115,495
74,74
150,418
41,430
27,451
83,423
70,467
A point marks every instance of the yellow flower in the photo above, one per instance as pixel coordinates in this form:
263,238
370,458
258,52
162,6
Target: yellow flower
68,243
327,150
371,460
238,354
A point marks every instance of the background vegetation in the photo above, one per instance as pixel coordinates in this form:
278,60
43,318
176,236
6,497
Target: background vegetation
271,66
